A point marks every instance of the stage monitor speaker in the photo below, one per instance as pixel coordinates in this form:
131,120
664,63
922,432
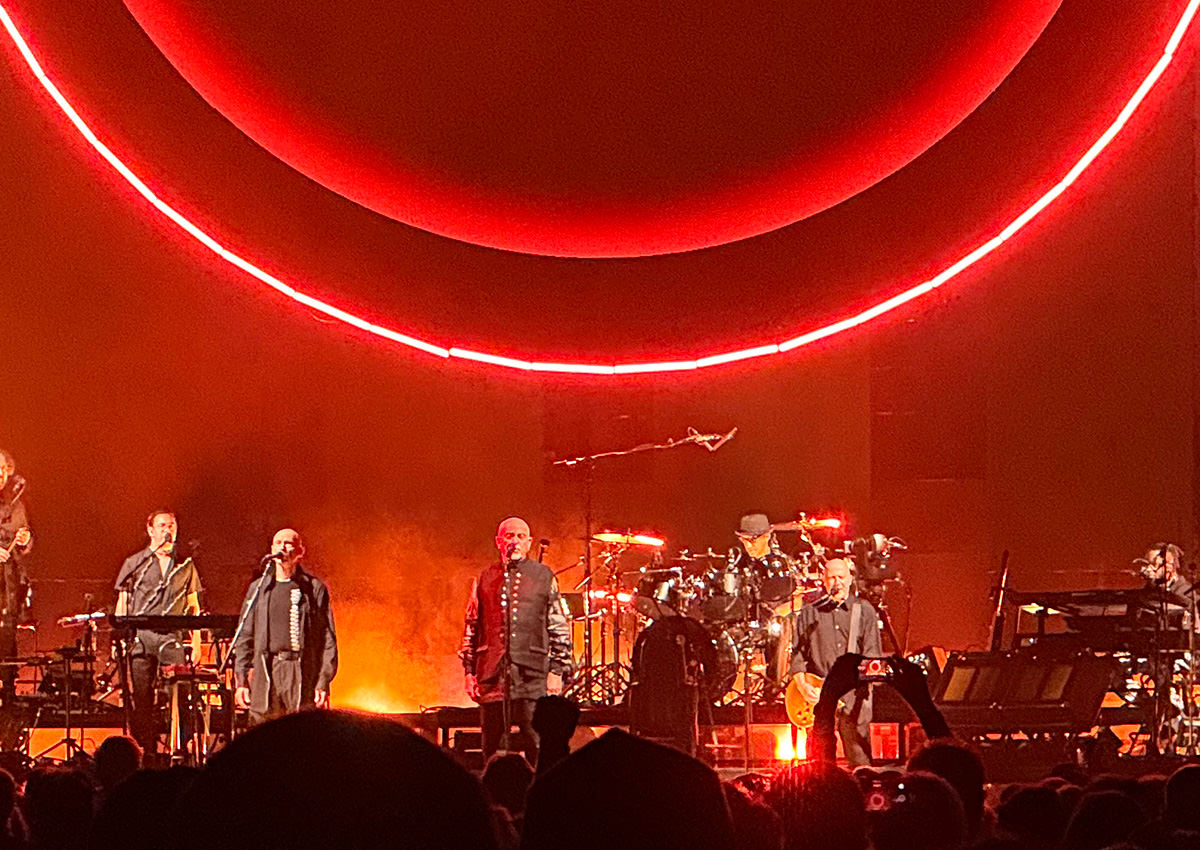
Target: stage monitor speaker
1010,692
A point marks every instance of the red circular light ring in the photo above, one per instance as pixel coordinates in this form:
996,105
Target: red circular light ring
508,362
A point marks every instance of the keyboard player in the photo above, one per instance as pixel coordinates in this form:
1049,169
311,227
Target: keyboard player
157,580
1161,569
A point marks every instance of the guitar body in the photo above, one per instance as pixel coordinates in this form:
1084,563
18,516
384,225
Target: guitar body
799,710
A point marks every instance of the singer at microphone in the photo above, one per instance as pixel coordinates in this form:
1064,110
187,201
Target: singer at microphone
1162,562
516,646
285,655
155,582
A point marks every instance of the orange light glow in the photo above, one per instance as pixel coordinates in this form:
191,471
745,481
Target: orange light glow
828,522
784,751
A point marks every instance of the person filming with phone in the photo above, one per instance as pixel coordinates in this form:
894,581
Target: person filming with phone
839,622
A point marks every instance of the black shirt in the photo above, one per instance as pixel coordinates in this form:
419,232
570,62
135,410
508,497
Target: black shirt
279,616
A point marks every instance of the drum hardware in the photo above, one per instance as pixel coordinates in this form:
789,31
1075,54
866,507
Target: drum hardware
711,442
604,680
805,523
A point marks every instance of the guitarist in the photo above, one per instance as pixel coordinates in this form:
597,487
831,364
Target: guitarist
15,543
837,623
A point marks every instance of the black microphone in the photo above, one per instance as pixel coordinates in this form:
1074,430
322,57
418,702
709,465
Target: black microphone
273,556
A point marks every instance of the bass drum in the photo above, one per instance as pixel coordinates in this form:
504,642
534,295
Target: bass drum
720,679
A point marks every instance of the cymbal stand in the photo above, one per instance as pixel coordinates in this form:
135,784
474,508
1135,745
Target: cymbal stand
603,682
1189,680
1162,684
711,442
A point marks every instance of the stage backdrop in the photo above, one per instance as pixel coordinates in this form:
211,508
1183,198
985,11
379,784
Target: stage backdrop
1044,404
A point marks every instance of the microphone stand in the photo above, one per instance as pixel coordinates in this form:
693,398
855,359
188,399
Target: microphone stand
258,586
506,681
124,660
712,442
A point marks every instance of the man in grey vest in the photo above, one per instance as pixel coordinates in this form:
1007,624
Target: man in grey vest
838,623
514,613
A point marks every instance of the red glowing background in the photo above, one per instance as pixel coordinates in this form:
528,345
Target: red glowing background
1045,399
595,129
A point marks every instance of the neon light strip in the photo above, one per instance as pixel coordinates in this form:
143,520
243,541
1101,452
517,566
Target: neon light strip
502,361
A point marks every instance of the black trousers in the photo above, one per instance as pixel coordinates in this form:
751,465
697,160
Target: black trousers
492,726
147,651
8,649
283,688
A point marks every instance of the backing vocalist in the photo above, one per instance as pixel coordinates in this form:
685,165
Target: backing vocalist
153,582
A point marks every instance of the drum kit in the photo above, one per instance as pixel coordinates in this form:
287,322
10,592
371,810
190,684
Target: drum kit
743,603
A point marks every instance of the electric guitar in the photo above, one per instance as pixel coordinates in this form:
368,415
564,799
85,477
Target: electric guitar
799,709
21,538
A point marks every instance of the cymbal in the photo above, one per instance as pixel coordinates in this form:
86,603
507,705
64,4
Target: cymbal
686,557
620,538
656,571
807,524
33,661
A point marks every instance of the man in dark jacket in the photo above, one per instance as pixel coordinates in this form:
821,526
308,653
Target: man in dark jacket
533,630
15,543
839,622
286,651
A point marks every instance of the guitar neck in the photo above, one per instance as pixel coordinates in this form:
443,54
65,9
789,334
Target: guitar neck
8,550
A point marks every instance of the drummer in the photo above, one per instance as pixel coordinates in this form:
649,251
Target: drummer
761,557
774,583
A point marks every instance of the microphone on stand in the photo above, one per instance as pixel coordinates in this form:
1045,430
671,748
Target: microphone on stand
712,442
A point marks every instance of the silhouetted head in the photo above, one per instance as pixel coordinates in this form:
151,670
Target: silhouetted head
1182,796
117,758
1035,814
959,766
1102,818
58,806
333,779
624,792
821,807
925,814
506,780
